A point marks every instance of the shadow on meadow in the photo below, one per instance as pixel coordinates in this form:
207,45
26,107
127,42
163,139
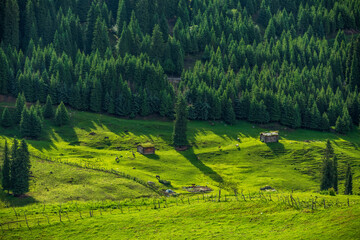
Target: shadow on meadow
12,201
190,155
276,148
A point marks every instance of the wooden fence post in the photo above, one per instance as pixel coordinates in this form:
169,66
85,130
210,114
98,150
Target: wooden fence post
27,224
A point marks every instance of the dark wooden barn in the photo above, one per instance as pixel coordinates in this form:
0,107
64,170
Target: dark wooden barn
146,149
269,137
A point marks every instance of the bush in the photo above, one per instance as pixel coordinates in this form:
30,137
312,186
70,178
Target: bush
332,192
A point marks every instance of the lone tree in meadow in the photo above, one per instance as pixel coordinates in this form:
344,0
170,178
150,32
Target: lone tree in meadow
348,181
180,125
6,184
61,115
329,174
335,175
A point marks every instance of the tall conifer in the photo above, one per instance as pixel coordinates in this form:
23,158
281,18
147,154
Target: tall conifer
6,184
180,124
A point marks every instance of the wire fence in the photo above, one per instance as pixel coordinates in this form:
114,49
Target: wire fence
58,214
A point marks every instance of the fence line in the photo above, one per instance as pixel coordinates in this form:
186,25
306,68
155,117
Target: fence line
64,216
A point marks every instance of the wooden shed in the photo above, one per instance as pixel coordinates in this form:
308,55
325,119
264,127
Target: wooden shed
146,148
269,137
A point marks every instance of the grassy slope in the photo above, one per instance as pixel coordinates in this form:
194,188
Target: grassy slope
214,160
58,183
231,220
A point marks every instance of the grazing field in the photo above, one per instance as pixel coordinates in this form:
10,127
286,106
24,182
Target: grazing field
256,219
72,165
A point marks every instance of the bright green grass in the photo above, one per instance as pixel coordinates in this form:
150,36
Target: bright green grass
214,160
58,183
230,220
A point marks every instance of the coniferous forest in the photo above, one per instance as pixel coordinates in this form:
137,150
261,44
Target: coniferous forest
295,62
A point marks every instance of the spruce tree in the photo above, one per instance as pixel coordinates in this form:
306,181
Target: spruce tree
11,23
4,73
229,116
13,165
180,125
61,115
157,44
95,96
6,120
335,174
48,108
348,181
327,174
100,37
121,16
35,121
19,106
6,184
20,171
25,123
145,108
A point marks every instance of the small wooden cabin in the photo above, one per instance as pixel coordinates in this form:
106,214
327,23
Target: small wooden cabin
269,137
146,149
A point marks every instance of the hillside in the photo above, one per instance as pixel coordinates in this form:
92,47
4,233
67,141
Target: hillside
222,157
85,84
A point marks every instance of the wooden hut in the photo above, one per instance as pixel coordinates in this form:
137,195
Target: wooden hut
146,148
269,137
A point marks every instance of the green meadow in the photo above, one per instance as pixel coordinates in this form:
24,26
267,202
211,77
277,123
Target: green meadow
76,165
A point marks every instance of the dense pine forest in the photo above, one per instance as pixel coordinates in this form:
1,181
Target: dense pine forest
295,62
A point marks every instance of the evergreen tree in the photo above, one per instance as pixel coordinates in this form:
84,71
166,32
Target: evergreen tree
48,108
30,29
19,106
229,116
4,73
270,30
25,123
20,169
180,125
6,184
14,156
61,115
157,44
329,150
348,181
11,23
327,174
335,174
95,97
100,38
344,123
6,120
325,125
31,122
121,16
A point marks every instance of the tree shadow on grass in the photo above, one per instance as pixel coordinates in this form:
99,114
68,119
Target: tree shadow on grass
12,201
152,156
191,156
277,148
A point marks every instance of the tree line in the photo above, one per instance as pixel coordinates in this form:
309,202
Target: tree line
262,61
31,120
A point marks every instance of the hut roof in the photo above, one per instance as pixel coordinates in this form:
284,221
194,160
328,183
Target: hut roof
269,134
147,145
